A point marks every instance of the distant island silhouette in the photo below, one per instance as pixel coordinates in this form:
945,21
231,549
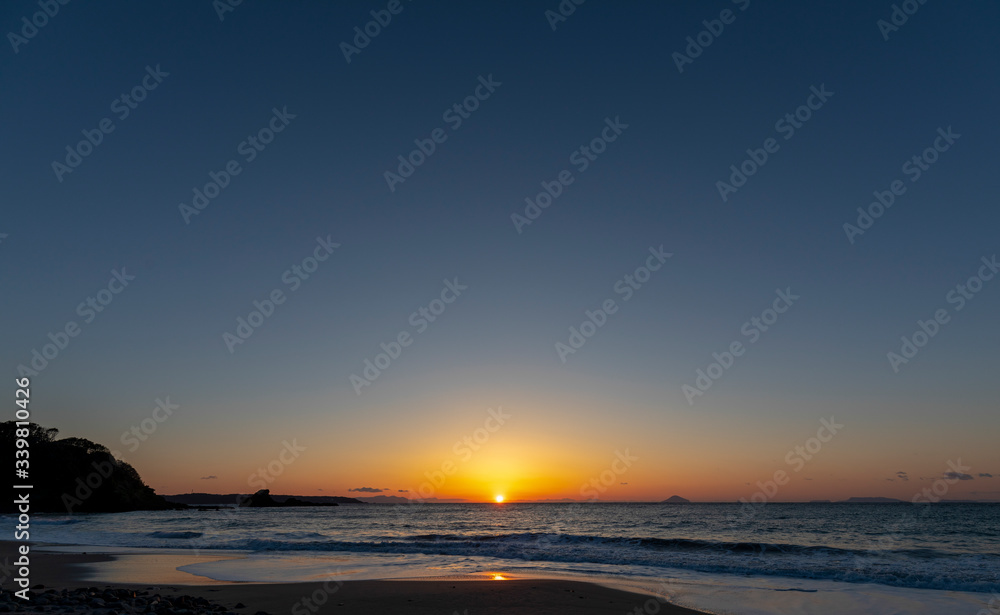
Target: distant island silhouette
228,499
263,499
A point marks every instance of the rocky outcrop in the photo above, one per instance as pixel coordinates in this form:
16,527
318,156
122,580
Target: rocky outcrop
74,475
263,499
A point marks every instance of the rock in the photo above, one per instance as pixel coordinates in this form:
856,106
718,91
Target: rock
261,499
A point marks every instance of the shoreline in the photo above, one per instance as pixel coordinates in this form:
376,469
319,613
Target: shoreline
156,573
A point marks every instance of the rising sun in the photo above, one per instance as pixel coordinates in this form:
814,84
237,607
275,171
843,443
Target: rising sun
499,499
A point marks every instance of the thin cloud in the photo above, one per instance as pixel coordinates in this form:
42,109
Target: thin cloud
210,477
985,475
367,490
957,475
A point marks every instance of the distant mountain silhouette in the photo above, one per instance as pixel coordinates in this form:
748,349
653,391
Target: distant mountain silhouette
676,499
229,499
74,475
857,500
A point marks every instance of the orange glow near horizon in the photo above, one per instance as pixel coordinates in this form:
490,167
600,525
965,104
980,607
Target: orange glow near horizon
552,448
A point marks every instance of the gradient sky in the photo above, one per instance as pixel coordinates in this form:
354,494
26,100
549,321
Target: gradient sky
494,347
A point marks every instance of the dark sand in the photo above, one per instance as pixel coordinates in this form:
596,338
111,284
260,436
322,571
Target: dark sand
440,597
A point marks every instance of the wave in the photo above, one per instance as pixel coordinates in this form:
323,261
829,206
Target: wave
678,544
175,534
912,568
55,521
944,565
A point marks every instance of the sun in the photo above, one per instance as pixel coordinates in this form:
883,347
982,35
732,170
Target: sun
499,499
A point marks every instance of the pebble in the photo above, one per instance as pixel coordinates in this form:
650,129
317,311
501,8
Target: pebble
110,601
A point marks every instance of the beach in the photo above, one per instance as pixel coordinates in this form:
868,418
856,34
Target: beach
55,570
788,559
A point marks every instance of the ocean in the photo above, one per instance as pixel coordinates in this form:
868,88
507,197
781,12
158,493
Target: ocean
720,557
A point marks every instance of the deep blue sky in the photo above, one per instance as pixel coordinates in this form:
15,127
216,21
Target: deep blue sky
655,185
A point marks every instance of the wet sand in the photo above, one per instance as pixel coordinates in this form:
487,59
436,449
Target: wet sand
157,574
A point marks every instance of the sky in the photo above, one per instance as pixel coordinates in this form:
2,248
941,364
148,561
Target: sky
174,163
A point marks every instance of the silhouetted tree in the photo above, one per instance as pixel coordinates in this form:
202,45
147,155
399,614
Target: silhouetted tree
75,475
